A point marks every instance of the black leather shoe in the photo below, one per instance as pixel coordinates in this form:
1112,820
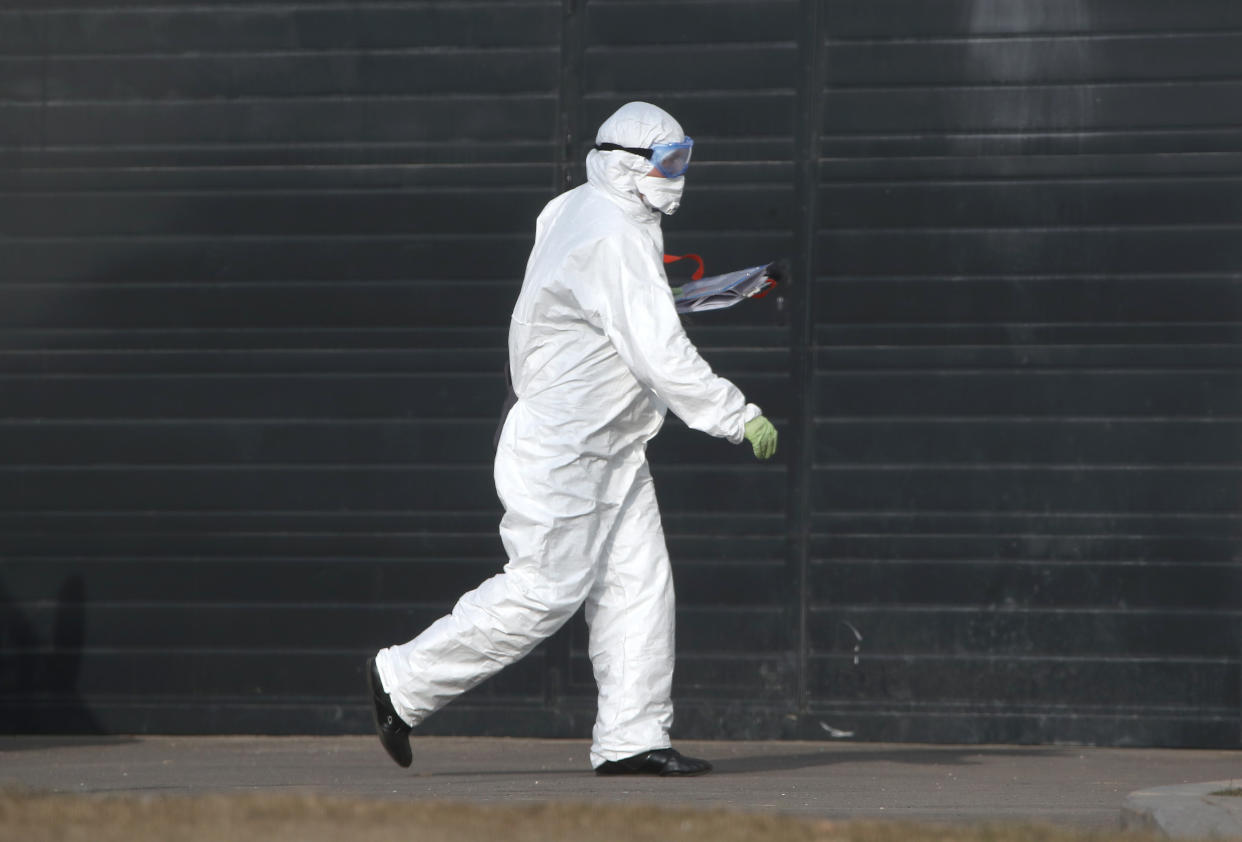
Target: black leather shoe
393,733
665,762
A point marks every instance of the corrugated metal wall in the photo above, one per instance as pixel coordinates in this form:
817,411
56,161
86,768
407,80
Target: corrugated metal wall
259,260
256,263
1026,487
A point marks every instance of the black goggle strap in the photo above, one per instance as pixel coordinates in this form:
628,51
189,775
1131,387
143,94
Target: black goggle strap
612,147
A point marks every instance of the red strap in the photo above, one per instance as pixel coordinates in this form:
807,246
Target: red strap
673,258
771,285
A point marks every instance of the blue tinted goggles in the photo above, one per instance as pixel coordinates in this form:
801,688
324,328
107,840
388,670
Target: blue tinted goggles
671,159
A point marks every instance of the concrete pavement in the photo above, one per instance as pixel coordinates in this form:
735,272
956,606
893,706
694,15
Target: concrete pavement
1068,785
1209,810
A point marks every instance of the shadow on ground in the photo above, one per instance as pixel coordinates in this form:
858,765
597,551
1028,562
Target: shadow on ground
933,756
829,756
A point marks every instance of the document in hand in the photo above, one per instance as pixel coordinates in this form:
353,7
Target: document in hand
720,291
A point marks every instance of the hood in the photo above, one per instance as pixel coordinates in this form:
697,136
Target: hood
638,124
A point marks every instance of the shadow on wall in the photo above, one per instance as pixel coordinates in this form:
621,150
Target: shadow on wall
38,679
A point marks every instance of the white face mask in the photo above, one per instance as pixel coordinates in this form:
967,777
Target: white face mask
662,194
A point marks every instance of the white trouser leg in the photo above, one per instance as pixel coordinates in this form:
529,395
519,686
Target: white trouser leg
550,571
630,613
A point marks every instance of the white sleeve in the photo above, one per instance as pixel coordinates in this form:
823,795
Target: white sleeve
641,320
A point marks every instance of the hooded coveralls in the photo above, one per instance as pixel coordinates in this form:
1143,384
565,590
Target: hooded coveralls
597,354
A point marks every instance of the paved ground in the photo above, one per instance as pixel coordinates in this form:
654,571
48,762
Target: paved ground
1081,787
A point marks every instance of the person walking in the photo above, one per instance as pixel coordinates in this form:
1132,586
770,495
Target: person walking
597,355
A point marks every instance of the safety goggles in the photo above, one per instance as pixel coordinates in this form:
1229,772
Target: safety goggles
671,159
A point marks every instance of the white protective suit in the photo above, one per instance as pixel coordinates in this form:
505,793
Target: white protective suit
597,354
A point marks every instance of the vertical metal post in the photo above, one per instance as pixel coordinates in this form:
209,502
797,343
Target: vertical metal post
569,97
559,647
802,324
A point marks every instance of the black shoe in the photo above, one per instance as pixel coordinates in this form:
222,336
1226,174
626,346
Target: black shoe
393,733
665,762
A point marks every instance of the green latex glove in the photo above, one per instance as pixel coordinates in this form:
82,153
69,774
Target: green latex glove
762,437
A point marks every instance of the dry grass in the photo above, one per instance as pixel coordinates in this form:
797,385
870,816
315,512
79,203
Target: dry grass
34,817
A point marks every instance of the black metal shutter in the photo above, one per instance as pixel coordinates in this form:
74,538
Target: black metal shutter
257,268
256,265
1026,484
